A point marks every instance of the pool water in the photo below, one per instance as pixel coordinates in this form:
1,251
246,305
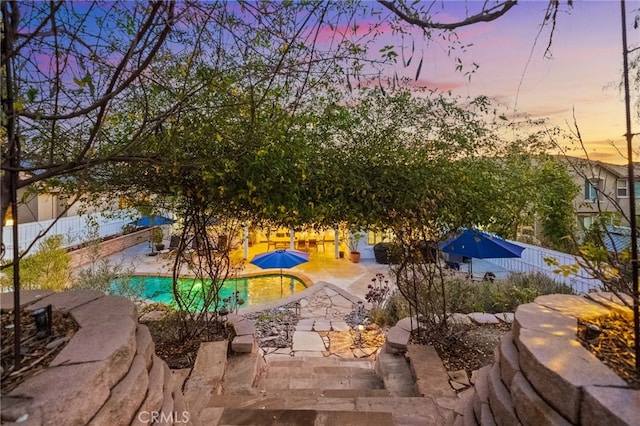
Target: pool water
253,290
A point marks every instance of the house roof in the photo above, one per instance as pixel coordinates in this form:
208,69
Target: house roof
617,170
618,238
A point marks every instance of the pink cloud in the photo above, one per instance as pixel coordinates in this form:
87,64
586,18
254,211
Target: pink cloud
361,29
442,86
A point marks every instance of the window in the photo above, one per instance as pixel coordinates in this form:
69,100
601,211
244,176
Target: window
587,221
592,190
622,190
377,237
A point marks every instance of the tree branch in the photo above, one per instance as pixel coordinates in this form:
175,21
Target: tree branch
487,15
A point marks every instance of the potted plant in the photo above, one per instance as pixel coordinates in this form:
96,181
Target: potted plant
353,242
156,238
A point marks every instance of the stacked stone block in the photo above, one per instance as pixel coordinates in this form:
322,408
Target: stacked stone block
542,375
107,374
245,334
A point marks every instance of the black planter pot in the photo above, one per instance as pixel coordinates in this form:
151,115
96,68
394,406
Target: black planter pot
385,253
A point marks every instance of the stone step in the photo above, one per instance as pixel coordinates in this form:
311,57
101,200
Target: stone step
329,393
403,411
269,401
206,375
318,402
337,371
322,382
242,373
395,372
275,377
306,362
237,417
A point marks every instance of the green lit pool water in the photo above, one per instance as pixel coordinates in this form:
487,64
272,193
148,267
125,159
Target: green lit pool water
254,290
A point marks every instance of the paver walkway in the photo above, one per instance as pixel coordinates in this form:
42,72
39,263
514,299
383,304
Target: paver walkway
322,329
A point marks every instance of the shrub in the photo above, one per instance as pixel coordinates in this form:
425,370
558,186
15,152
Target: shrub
381,317
542,283
48,268
502,295
396,307
105,276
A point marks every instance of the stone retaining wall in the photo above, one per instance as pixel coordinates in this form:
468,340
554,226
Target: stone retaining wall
107,374
542,375
81,257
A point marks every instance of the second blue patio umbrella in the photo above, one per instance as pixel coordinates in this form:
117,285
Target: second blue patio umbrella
481,245
280,259
151,221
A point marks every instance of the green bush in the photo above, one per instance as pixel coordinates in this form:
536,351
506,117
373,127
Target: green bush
395,308
466,296
502,295
542,283
48,268
109,278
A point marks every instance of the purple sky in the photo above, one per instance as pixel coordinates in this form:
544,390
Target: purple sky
583,74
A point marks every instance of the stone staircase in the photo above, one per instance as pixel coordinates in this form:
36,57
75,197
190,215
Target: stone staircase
285,390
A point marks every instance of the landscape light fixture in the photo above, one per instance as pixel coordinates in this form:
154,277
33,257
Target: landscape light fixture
360,331
223,312
43,319
592,332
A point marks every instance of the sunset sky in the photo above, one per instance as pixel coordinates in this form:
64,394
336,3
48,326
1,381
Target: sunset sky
583,74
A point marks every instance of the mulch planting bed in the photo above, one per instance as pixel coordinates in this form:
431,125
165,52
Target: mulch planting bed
37,352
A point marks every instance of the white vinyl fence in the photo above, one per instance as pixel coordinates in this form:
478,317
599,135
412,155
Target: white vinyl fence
74,229
532,260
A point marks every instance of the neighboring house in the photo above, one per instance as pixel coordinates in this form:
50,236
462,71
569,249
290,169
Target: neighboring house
604,190
41,207
38,213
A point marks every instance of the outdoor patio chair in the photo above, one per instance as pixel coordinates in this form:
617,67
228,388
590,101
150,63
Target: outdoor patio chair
489,276
452,265
173,242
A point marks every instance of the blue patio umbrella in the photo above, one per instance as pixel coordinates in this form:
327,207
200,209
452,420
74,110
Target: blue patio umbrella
481,245
151,221
280,259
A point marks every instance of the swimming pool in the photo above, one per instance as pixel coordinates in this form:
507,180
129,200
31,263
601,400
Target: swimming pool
254,290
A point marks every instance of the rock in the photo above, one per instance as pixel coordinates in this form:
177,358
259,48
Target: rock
153,316
244,344
125,397
56,343
459,376
457,386
482,318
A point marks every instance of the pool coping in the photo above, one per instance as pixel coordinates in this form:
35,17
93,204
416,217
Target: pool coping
305,279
